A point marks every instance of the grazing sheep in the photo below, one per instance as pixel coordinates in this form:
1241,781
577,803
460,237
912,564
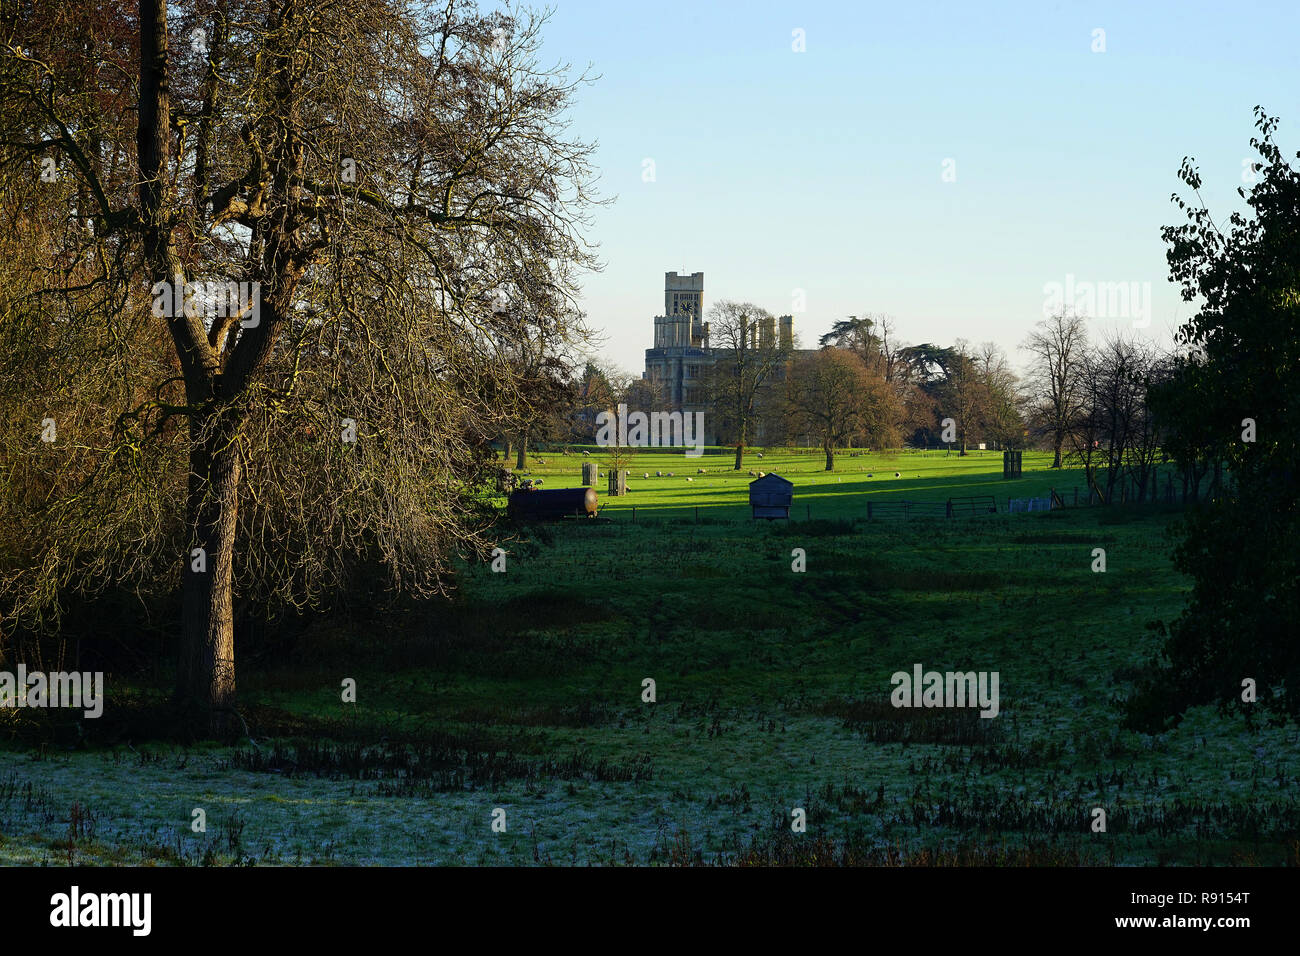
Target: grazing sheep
646,475
762,474
585,454
760,454
537,481
700,471
752,475
670,474
690,479
659,474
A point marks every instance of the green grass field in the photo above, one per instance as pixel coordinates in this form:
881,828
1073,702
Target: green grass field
525,694
924,476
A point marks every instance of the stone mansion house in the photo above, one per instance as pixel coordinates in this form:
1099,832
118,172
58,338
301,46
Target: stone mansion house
681,356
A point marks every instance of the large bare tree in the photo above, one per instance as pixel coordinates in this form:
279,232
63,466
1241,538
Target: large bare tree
748,361
373,180
835,396
1056,348
963,396
1002,420
1112,432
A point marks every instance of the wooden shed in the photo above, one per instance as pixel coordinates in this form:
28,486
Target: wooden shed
770,496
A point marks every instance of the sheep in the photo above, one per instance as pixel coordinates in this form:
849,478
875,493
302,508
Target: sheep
700,471
869,475
690,479
659,474
762,474
585,454
751,474
760,454
646,475
670,474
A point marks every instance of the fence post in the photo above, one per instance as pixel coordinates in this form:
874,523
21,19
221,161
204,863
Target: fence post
949,514
868,510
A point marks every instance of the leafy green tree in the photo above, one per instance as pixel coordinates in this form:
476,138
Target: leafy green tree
1232,399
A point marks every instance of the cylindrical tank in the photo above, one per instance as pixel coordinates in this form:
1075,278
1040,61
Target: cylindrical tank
537,504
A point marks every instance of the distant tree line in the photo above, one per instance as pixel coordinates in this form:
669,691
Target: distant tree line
862,388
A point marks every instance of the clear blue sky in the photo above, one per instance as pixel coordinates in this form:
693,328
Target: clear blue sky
822,170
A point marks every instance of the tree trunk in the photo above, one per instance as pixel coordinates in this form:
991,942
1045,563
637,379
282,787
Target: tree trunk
521,461
740,447
1056,451
205,673
830,456
1094,488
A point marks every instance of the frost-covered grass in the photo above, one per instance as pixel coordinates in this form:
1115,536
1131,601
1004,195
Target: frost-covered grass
526,694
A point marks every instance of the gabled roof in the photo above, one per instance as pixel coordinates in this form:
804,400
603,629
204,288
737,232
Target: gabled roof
768,478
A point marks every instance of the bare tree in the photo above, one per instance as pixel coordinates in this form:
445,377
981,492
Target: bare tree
833,395
964,395
748,362
376,174
1088,424
597,389
1146,444
1002,421
1112,428
538,354
1055,378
